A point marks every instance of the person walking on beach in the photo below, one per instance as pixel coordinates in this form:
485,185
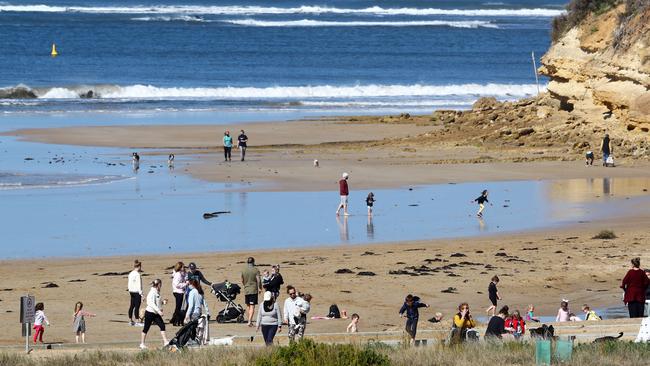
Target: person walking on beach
275,281
79,322
242,142
481,200
302,306
194,302
227,146
410,310
250,278
195,274
635,284
289,310
343,192
606,148
39,319
179,283
135,291
370,201
269,318
493,295
153,313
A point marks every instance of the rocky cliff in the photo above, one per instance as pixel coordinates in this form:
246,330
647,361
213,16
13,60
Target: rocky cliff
600,70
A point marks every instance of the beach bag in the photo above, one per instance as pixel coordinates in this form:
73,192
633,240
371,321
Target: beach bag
609,161
334,312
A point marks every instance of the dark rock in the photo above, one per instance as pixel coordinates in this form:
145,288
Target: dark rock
343,270
485,103
114,274
501,254
77,280
366,273
368,253
458,255
450,290
50,285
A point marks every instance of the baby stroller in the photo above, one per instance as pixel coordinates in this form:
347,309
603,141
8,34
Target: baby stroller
227,292
194,333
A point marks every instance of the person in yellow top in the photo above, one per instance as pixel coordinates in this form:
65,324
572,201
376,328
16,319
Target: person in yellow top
463,322
590,314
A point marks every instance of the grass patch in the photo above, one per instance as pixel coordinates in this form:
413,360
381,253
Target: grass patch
309,353
577,11
605,235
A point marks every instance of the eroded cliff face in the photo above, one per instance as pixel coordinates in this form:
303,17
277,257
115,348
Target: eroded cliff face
600,71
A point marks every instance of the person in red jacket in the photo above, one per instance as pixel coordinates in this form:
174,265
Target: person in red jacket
344,192
517,323
635,284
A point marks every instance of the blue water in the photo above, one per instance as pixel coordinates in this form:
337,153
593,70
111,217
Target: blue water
356,55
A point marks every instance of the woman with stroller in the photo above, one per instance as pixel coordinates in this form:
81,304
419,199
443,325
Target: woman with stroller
194,302
154,313
179,283
269,318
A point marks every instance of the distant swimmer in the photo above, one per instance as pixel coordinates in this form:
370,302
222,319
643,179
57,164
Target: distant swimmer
481,202
170,160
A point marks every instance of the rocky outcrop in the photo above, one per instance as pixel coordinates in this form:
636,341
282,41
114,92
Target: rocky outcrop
600,71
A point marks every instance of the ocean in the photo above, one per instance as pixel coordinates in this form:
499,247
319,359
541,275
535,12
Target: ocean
329,56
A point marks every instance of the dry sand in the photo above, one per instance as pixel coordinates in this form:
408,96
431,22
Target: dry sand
536,267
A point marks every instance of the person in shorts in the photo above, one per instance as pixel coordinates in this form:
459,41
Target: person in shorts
242,143
493,295
250,278
343,192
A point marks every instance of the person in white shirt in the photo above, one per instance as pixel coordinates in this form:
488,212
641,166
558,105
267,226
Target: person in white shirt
39,319
289,308
179,283
301,309
135,291
153,313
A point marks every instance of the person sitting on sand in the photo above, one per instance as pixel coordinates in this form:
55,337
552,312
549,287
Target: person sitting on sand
79,322
462,323
493,295
530,315
354,323
410,310
481,200
517,324
496,327
590,315
563,312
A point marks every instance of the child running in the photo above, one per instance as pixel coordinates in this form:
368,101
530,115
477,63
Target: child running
39,319
79,322
493,294
352,327
481,202
370,200
412,314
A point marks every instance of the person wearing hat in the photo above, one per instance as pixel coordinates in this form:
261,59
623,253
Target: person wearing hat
250,278
269,318
344,192
195,274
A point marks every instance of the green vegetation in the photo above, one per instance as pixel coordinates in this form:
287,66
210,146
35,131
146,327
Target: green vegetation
309,353
577,11
605,235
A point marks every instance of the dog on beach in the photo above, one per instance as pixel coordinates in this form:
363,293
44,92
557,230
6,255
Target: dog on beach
316,164
543,332
226,341
608,338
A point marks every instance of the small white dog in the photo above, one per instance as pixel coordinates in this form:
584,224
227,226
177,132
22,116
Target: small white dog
316,164
226,341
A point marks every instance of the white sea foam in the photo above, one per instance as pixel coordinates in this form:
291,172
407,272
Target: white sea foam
150,92
179,18
252,10
322,23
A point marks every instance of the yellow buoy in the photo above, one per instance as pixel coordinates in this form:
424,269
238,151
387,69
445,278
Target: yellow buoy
54,53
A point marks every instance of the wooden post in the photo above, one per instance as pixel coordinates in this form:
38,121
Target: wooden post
535,70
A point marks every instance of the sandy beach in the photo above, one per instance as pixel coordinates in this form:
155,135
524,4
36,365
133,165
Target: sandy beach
535,267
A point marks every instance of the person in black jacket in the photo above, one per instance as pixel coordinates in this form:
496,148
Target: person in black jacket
497,325
195,274
275,282
412,314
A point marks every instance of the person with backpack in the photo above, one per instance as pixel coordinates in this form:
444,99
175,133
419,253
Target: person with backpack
410,311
